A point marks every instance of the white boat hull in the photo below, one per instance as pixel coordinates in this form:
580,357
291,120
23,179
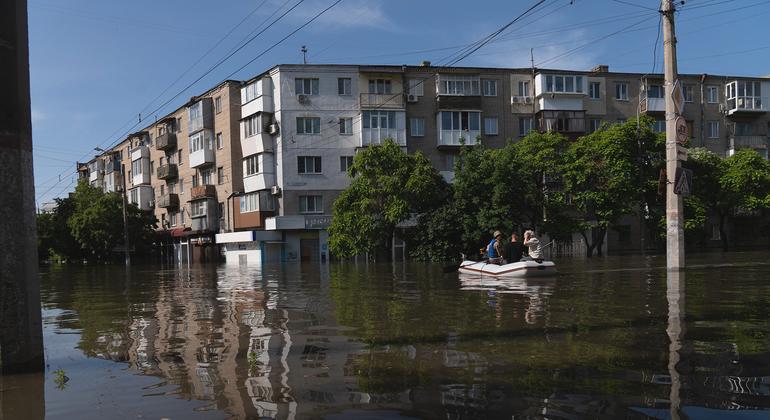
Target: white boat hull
516,269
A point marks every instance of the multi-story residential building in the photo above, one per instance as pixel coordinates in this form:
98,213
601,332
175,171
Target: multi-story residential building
261,162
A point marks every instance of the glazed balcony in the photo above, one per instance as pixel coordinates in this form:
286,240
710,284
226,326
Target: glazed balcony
753,142
168,171
168,201
166,141
382,100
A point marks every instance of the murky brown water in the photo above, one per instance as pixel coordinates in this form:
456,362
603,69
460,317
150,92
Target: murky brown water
602,340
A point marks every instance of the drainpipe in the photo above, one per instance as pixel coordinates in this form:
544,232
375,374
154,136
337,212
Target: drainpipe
702,106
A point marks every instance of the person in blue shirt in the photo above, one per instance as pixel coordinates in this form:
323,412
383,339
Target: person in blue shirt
495,249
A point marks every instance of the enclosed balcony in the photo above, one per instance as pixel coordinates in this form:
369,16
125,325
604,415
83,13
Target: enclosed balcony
204,215
201,149
201,115
382,100
112,166
95,170
113,182
377,126
565,122
457,128
168,201
166,141
745,97
168,171
202,191
753,142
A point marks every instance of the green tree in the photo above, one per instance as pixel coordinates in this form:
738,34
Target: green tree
388,187
723,187
609,174
54,238
97,223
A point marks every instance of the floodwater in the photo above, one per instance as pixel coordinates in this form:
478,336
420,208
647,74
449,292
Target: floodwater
607,338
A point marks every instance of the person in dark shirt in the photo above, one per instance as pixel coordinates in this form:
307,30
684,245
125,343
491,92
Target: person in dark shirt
514,249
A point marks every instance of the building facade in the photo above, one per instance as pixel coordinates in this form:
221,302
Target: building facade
250,170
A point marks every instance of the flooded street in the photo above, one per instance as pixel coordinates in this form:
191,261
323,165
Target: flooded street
607,338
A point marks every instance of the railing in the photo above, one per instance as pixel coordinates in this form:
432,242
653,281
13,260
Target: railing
168,171
653,105
453,137
749,141
203,191
745,103
372,136
168,200
382,100
165,141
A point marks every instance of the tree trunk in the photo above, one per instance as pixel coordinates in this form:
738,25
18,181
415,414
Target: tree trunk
600,241
589,244
722,233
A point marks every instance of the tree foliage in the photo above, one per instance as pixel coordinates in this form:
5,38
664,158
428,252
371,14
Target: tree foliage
388,187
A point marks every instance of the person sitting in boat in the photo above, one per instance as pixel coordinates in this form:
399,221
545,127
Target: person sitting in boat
495,249
531,242
514,249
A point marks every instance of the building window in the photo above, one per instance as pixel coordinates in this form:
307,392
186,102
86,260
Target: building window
250,92
163,220
308,164
417,127
344,86
220,175
379,119
659,126
523,88
250,202
525,126
181,216
346,125
194,181
712,93
379,86
594,124
563,84
594,90
621,91
460,120
311,204
251,126
490,126
206,176
308,125
306,86
218,104
136,167
200,140
251,165
198,208
220,141
458,84
713,129
179,157
655,91
171,188
490,87
181,186
415,87
221,210
162,189
743,129
345,163
688,93
172,218
152,167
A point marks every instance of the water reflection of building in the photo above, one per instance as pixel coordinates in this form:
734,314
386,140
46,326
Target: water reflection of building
535,290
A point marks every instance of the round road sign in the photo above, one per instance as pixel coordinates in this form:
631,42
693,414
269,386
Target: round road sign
681,130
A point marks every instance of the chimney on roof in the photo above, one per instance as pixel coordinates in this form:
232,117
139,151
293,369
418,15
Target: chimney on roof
425,63
601,68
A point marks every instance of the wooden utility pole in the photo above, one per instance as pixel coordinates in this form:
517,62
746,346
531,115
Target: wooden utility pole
674,204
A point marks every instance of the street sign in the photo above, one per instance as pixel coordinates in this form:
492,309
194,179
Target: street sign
681,153
678,96
681,130
683,182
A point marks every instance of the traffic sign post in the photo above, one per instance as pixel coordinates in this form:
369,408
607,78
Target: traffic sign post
683,182
682,133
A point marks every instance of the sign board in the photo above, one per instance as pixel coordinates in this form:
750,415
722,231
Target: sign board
683,182
681,153
318,222
677,94
681,130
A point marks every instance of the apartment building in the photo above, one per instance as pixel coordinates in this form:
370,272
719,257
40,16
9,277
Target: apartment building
259,163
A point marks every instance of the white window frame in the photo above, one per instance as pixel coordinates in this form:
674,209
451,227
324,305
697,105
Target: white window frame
306,86
594,124
251,126
251,165
311,123
415,87
655,91
250,92
712,94
659,126
344,86
459,85
317,206
417,127
489,87
249,202
621,91
713,129
345,163
200,141
380,86
488,130
309,165
218,105
198,208
594,90
523,88
346,126
471,116
525,126
689,93
206,175
563,83
220,141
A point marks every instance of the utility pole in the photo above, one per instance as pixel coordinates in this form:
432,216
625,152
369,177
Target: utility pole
674,203
304,54
125,219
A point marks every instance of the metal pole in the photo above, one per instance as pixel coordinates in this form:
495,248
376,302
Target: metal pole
674,205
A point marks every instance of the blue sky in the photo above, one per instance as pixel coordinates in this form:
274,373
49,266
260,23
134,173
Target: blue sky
95,65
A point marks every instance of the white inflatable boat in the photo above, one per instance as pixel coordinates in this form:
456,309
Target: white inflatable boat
515,269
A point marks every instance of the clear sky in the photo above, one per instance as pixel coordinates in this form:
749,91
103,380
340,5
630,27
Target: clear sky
96,65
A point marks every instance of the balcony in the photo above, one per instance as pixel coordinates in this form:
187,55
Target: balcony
203,191
459,102
140,152
168,171
259,104
455,138
565,122
201,115
753,142
258,143
372,136
112,166
653,105
113,182
168,201
745,97
382,100
165,141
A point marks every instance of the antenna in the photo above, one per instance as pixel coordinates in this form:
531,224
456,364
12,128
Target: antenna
304,54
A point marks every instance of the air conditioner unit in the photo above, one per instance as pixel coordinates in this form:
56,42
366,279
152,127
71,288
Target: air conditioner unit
515,99
528,99
412,98
273,128
303,99
275,190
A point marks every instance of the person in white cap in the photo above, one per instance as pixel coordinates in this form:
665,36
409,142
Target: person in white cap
531,242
